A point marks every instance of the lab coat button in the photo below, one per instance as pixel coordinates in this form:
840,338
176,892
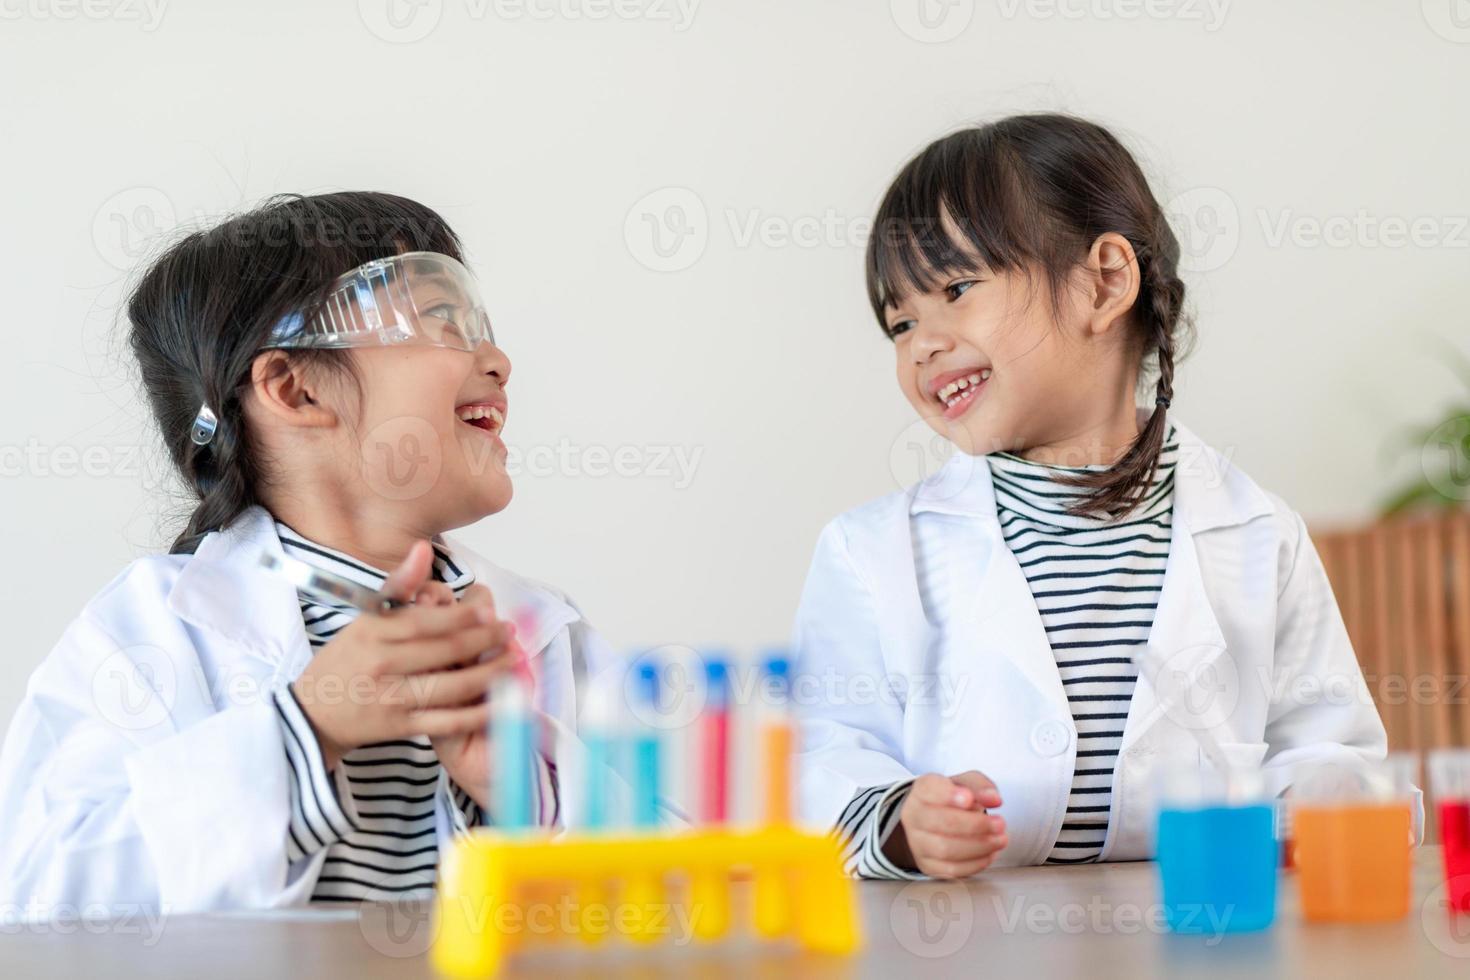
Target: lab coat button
1050,738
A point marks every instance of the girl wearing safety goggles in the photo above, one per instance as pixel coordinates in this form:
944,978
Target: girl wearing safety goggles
324,376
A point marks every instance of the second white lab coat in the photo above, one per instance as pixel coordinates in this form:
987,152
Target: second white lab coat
920,649
145,767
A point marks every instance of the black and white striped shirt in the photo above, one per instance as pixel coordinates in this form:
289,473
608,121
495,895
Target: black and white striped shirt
382,840
1096,586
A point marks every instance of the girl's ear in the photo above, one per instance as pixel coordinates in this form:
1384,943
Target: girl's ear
1114,280
288,393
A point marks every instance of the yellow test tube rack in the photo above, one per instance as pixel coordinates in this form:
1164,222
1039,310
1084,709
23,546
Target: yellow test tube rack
595,887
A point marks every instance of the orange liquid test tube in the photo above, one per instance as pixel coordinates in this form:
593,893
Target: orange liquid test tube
773,915
776,745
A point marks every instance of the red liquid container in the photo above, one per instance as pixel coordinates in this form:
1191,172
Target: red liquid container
1454,833
1449,781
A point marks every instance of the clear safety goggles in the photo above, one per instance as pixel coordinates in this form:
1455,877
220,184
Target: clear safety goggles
412,298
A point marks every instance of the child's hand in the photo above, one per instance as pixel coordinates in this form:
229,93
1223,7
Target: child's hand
419,670
943,828
466,755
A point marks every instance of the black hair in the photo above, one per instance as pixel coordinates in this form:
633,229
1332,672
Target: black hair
205,308
1034,192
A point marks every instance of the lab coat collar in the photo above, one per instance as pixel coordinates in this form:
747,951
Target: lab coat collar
1208,491
224,590
1184,646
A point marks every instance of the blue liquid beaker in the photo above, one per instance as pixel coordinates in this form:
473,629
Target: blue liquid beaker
1217,866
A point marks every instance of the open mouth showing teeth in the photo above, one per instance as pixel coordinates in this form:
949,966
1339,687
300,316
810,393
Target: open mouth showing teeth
963,389
486,417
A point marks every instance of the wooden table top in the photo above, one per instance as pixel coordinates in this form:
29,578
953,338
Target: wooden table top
1093,921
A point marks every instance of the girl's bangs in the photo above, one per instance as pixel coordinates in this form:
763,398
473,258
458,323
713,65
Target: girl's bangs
951,210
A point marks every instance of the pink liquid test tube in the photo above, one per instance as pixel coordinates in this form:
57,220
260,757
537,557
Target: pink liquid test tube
713,755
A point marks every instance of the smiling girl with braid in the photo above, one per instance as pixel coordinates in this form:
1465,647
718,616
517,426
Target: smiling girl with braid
207,735
1085,590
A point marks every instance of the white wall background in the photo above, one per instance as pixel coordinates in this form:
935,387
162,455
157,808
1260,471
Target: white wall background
539,128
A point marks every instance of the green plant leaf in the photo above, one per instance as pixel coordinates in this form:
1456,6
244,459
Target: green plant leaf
1413,496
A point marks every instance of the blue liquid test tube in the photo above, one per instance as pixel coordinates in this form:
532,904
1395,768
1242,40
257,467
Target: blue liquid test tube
600,735
513,738
647,750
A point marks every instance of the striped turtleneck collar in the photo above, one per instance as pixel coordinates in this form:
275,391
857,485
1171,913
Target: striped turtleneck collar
1035,490
445,569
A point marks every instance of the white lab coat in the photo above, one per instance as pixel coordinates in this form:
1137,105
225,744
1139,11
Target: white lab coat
920,649
145,767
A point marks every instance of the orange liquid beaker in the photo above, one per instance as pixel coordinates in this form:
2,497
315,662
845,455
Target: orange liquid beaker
1353,861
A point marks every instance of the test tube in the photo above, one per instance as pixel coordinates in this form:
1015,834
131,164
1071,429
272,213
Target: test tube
772,916
600,729
642,890
777,739
709,887
513,740
646,749
714,742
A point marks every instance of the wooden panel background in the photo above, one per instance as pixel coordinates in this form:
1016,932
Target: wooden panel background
1404,589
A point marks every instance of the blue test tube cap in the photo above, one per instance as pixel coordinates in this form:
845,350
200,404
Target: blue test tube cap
777,667
647,684
717,678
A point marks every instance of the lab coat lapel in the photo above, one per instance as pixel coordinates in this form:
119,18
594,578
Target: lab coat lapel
1185,671
1008,624
1003,621
1177,665
224,591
